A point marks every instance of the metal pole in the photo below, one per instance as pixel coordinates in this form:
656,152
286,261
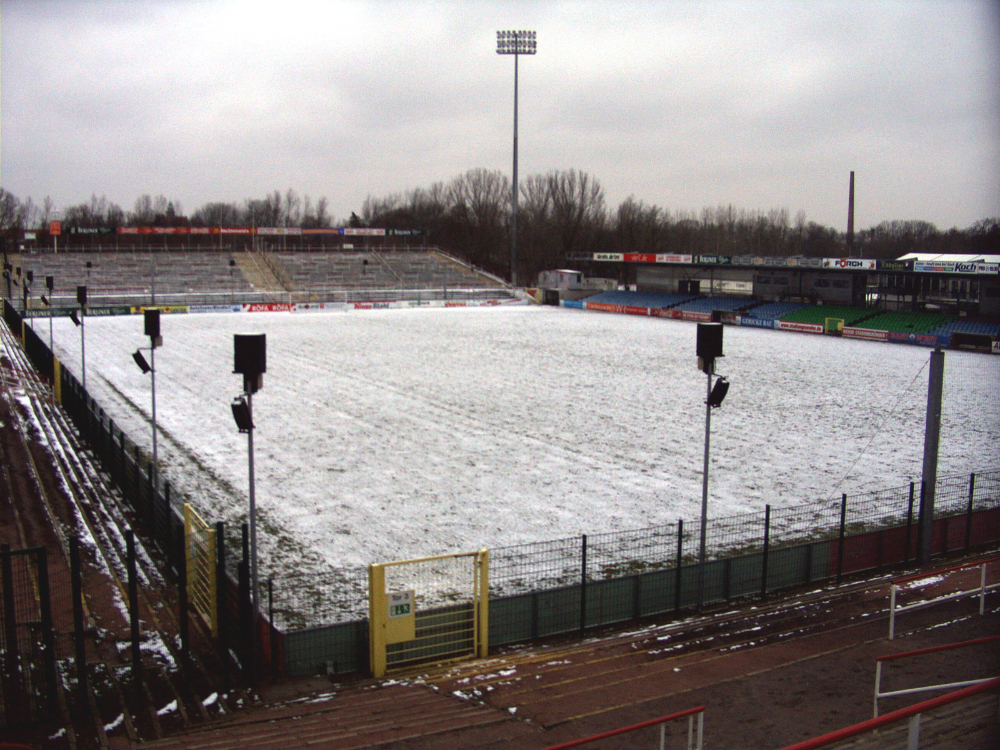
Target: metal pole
83,348
254,593
152,372
513,216
704,487
932,434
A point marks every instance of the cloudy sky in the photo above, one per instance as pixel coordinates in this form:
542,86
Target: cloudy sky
682,104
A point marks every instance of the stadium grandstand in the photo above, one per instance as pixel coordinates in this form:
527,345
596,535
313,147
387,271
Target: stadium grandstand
244,273
931,301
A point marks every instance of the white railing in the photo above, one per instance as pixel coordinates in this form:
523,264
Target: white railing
899,583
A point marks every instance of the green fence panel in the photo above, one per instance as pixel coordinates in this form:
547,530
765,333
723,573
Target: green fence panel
333,649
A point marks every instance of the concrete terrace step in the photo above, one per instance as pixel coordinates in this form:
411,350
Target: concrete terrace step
361,719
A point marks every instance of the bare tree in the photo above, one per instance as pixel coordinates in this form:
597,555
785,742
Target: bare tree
9,210
291,209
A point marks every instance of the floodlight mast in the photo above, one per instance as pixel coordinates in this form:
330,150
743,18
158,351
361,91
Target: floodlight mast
515,43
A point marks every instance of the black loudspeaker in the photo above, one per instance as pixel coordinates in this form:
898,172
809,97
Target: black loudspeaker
709,345
81,295
152,320
250,354
50,282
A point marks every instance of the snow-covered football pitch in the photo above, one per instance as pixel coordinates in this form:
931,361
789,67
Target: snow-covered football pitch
387,434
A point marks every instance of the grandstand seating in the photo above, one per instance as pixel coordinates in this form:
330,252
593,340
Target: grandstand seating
819,313
905,322
710,304
968,326
652,300
315,272
774,310
133,272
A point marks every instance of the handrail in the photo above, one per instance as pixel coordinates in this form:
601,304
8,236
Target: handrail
934,649
952,569
898,715
642,725
982,589
927,688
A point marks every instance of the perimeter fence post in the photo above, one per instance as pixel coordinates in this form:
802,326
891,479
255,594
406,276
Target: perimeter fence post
10,658
920,520
246,608
77,589
133,604
167,533
767,545
48,635
680,562
583,585
182,599
909,526
968,515
840,543
221,598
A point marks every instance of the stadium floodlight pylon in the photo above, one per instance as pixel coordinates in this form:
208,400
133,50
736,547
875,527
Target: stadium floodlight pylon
515,43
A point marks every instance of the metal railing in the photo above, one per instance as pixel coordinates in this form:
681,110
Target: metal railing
925,688
696,727
898,583
913,713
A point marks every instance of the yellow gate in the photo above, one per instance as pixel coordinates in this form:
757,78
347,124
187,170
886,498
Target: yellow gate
199,543
433,609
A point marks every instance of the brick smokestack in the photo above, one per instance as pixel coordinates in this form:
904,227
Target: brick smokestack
850,220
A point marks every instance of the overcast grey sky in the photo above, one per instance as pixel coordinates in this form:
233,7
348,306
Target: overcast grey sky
682,104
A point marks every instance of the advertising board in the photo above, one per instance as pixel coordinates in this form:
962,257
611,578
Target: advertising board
800,327
865,333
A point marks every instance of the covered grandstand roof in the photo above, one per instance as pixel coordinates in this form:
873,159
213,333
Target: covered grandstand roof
953,257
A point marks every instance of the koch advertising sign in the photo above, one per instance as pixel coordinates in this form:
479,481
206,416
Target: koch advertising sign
850,264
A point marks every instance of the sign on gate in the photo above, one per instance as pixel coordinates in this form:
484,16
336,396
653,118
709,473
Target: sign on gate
434,609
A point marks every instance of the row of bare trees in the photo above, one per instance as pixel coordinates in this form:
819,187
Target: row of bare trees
276,209
564,212
560,213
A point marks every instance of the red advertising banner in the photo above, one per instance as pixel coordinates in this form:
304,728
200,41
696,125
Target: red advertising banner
268,307
674,258
667,313
603,307
701,317
640,257
55,227
633,310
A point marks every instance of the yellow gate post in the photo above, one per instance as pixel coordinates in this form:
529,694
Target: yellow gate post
199,558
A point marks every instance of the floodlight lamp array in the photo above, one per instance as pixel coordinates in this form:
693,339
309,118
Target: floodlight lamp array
516,42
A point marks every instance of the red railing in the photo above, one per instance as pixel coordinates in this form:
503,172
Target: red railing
689,713
909,712
921,652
